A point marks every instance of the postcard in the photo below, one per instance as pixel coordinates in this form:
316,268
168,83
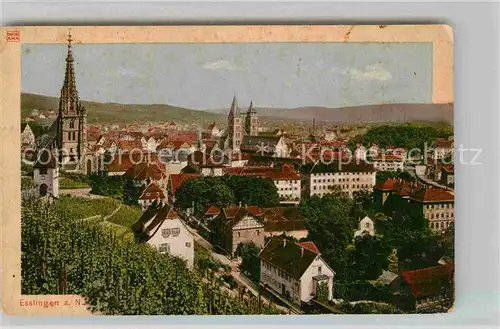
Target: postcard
220,170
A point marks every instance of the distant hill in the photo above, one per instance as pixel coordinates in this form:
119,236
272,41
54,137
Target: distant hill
368,113
121,113
361,114
126,113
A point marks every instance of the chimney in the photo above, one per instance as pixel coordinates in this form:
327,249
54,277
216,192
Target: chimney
284,242
301,251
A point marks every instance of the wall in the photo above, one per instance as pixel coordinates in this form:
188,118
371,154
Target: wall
348,182
177,244
274,278
307,282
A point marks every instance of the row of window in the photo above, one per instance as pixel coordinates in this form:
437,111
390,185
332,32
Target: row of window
167,232
289,188
329,187
276,270
342,173
289,181
442,215
439,225
333,180
239,233
439,206
164,248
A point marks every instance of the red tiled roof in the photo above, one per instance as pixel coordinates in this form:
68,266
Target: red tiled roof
309,245
385,185
443,143
152,191
212,210
145,170
230,212
428,281
176,180
433,195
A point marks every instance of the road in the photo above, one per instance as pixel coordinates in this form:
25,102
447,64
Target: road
240,279
425,180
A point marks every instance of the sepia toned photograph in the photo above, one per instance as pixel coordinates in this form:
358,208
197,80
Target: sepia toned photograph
235,173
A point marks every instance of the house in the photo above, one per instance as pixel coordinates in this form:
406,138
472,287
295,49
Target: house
443,148
365,225
284,220
206,164
427,288
437,205
447,175
294,270
214,130
150,195
276,221
146,172
360,153
162,228
387,278
321,178
286,179
46,174
388,162
238,224
176,181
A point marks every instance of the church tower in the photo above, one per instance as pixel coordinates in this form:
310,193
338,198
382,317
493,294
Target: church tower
234,127
72,117
251,121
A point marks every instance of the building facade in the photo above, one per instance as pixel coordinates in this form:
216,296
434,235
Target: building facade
321,179
162,228
294,270
436,205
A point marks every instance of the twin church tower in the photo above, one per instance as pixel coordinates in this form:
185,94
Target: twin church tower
235,128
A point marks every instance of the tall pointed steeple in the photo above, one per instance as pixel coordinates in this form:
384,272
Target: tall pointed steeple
251,121
234,111
68,103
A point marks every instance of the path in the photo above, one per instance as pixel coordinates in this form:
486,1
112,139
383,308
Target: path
240,279
114,211
81,192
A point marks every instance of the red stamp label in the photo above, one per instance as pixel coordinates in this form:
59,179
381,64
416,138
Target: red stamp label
13,36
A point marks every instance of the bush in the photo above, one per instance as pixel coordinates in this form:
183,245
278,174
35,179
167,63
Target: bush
362,290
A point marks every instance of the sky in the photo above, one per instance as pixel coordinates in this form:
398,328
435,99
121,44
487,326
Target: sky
207,76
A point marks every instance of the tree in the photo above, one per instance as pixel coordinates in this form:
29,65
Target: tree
192,190
330,227
253,190
131,192
370,256
250,262
322,292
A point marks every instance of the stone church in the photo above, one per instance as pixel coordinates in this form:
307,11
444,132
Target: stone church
67,136
237,129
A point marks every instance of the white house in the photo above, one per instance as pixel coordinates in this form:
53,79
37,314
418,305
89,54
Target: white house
365,225
46,174
151,194
294,270
360,153
162,228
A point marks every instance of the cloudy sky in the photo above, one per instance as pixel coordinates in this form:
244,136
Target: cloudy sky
206,76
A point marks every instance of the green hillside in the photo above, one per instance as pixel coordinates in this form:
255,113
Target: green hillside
122,113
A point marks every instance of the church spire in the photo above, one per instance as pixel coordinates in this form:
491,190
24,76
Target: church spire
234,111
68,103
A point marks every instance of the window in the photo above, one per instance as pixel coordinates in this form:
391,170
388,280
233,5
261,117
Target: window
164,248
319,269
367,225
258,232
69,135
72,124
176,231
188,244
239,234
43,171
166,232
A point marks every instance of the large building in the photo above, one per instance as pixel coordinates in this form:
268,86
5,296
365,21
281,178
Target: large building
436,205
286,179
321,178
